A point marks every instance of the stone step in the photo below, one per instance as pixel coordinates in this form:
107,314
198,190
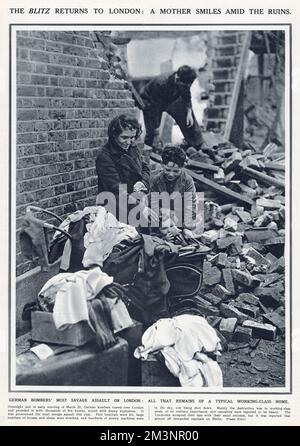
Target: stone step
225,81
225,62
228,73
216,126
219,107
218,69
224,87
227,45
217,113
224,39
216,119
222,101
230,38
228,50
220,93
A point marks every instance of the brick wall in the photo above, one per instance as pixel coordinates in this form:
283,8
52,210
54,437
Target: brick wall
66,95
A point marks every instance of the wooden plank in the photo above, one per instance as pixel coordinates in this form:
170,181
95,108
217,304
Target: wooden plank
204,166
137,96
263,177
223,190
270,149
275,166
227,151
237,85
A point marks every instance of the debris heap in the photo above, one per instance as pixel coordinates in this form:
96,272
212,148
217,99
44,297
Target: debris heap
242,293
243,276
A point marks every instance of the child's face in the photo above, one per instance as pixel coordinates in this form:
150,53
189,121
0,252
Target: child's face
171,171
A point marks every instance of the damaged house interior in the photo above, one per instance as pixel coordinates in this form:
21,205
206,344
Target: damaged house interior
151,300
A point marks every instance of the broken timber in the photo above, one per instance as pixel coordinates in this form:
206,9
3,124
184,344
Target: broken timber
275,166
263,177
237,84
223,190
203,166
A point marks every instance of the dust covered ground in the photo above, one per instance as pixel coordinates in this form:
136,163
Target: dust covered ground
263,366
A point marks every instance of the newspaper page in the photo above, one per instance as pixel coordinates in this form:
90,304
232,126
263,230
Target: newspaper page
108,319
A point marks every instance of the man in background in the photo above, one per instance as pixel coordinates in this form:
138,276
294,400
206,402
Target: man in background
171,93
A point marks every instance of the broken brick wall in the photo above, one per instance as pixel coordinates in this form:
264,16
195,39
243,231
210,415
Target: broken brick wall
67,92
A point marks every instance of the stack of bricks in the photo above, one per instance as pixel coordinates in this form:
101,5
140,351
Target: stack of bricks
66,95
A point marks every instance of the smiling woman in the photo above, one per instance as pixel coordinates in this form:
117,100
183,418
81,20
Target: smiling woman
120,160
126,138
120,167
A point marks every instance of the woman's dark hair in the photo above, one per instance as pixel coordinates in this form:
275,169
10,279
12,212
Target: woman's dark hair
173,154
123,122
186,74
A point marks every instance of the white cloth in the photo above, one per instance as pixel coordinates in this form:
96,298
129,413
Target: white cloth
102,235
71,292
184,341
76,216
119,315
65,259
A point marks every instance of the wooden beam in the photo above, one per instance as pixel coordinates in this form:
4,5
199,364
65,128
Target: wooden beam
275,166
204,166
237,85
190,163
263,177
222,190
137,96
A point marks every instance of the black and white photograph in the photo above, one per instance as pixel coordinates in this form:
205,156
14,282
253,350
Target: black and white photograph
150,208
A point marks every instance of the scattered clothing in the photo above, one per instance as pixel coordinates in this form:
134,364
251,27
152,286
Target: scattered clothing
66,256
187,343
140,263
69,292
94,233
72,251
89,296
102,235
119,315
77,230
90,211
114,294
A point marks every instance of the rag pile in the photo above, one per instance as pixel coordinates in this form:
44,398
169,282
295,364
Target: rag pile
187,343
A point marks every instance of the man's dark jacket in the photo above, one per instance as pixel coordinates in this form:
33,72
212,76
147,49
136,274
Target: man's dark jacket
162,91
116,166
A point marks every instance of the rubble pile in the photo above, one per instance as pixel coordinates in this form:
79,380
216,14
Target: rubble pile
242,293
